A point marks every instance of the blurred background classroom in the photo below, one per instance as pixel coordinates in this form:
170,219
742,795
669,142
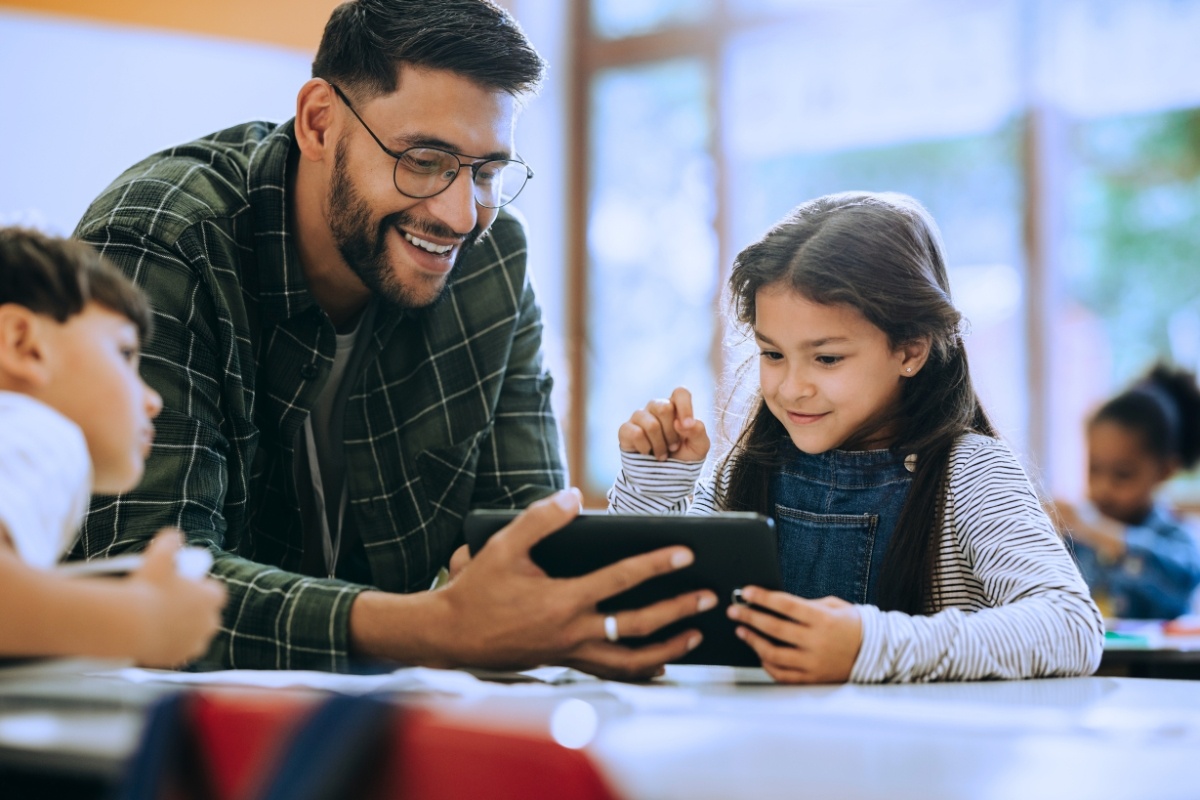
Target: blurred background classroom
1057,143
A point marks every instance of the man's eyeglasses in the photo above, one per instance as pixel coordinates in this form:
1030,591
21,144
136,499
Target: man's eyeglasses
422,172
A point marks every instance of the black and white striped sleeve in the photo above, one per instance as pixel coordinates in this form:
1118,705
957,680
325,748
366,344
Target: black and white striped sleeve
1035,617
646,485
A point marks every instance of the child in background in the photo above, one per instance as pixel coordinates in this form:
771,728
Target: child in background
1136,555
75,417
911,543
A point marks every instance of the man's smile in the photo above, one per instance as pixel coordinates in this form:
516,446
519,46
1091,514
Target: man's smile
425,244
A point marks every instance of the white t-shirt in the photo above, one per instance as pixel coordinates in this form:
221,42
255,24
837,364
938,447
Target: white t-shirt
45,478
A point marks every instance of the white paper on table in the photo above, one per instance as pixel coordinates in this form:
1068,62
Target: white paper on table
412,679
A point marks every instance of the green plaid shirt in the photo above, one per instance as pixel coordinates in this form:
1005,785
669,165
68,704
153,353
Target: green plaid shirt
451,411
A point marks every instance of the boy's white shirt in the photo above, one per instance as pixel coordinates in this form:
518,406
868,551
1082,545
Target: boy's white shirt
45,478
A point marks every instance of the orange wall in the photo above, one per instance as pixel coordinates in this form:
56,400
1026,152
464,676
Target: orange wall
290,23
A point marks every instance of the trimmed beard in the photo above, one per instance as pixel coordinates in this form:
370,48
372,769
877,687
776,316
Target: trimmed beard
364,247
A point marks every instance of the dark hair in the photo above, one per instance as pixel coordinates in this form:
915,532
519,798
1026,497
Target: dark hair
1163,408
880,254
365,41
58,277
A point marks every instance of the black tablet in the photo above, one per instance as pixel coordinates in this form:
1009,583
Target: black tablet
732,550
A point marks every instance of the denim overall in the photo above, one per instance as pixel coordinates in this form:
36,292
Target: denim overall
835,513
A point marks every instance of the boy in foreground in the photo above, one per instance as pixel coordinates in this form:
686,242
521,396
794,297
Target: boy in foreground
76,418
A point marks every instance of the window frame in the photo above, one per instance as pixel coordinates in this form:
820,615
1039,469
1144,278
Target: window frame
1044,158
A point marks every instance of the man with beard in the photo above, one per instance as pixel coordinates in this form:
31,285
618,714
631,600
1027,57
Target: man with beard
348,349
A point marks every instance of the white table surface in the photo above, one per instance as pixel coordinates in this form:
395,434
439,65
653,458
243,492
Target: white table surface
697,734
1060,738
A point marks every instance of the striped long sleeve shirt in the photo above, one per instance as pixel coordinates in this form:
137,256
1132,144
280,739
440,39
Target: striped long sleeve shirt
1007,600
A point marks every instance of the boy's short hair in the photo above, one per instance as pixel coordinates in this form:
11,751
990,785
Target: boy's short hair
58,277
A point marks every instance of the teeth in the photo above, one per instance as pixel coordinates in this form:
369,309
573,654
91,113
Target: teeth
438,249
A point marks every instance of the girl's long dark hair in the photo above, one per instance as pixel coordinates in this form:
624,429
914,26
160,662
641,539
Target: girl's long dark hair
880,254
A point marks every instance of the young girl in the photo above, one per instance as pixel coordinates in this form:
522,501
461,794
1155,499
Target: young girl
912,545
1136,555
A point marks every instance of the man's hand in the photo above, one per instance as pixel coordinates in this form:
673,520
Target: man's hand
460,558
666,429
818,640
501,611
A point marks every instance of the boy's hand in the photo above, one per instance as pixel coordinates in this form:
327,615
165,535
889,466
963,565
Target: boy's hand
182,614
666,429
819,639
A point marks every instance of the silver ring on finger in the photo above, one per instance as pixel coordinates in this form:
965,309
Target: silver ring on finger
610,629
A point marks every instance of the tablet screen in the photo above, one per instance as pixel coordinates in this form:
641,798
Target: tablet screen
732,550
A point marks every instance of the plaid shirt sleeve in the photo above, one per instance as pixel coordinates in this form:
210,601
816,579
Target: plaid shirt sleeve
465,380
195,480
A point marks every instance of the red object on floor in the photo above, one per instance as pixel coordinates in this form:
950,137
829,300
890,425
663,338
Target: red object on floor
441,759
432,757
242,735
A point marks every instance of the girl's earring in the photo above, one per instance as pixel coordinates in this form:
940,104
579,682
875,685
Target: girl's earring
908,370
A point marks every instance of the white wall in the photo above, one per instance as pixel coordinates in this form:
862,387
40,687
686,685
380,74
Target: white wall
84,101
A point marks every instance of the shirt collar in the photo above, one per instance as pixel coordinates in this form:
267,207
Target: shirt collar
282,288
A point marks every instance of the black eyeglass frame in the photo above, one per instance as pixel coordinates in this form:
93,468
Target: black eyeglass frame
475,165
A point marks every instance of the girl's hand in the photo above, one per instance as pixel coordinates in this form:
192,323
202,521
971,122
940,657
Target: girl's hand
818,639
666,429
182,614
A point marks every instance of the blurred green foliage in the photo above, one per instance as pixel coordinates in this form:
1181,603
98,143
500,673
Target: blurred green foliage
1135,250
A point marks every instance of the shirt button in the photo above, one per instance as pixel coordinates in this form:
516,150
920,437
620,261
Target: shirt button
308,371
